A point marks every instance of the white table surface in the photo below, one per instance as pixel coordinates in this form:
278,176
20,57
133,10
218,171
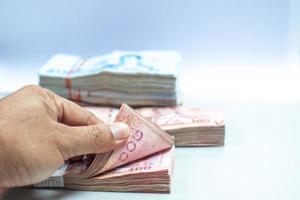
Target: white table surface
261,156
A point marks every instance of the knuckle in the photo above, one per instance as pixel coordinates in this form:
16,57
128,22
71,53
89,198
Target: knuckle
96,134
91,119
49,92
50,95
62,141
31,88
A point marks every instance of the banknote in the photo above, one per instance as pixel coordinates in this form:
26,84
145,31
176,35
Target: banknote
145,139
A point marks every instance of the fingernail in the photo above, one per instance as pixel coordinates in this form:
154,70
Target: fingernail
119,130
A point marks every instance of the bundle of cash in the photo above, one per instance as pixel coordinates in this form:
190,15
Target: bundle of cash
145,78
143,164
189,126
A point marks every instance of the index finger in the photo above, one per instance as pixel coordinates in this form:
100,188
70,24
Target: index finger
72,114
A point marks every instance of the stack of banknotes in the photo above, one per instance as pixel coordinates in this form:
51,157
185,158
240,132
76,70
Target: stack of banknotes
145,78
143,164
189,126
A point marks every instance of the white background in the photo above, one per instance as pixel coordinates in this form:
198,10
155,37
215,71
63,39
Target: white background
239,56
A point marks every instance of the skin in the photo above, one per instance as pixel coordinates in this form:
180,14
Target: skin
39,131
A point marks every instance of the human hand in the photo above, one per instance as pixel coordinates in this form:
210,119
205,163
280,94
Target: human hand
40,130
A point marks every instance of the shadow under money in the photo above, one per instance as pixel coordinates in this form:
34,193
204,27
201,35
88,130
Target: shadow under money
36,194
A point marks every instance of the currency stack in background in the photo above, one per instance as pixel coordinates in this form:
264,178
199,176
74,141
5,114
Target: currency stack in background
145,78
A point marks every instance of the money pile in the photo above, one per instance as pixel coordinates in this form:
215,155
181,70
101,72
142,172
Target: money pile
143,164
189,126
146,78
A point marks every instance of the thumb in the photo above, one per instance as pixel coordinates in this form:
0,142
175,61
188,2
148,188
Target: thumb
92,139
